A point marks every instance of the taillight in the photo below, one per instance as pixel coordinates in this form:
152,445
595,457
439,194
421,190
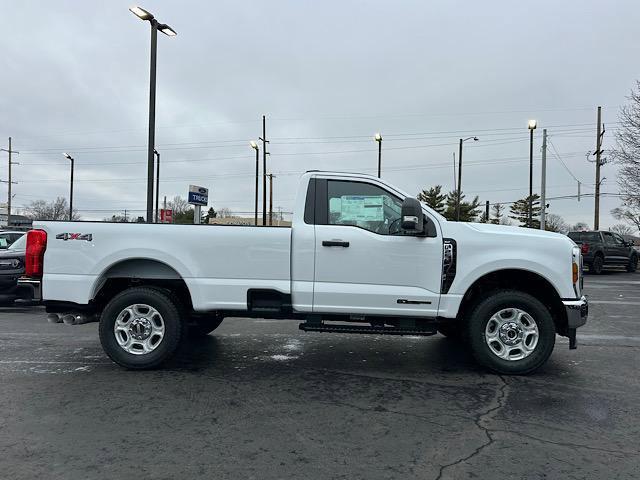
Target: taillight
584,248
34,255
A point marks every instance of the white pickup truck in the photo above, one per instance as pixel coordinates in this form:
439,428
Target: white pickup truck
360,257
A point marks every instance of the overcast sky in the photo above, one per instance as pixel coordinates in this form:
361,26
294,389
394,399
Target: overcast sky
328,75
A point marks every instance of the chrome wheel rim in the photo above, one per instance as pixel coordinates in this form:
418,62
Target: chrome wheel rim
139,329
511,334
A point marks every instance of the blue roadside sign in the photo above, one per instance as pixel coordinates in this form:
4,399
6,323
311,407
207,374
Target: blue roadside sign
198,195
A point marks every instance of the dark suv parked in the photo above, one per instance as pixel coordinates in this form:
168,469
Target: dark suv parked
600,249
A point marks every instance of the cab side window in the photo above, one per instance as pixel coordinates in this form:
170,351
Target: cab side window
608,238
363,205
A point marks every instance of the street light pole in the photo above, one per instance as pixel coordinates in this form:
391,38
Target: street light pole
157,182
264,169
69,157
167,30
459,194
255,146
378,138
532,126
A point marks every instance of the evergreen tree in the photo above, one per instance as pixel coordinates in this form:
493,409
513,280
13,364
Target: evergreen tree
469,211
519,211
211,213
497,210
433,198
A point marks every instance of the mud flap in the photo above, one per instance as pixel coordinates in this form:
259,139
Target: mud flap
573,343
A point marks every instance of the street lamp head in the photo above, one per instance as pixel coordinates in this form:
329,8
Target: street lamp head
167,30
532,124
67,156
254,145
141,13
475,139
378,137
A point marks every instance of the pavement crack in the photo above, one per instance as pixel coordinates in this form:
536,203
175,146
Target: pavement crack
480,420
567,444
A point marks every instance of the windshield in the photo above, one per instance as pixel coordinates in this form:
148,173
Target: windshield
20,244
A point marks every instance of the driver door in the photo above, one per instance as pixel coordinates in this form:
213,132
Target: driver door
364,264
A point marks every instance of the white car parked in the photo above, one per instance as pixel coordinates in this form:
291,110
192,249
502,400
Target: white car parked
361,257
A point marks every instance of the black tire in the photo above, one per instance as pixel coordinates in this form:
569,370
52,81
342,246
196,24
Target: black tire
454,332
202,326
633,264
492,303
169,308
597,265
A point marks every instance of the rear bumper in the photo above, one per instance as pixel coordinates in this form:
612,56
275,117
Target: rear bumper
33,285
577,312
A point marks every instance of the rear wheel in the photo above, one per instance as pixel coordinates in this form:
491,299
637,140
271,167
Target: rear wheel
511,332
141,327
597,265
633,264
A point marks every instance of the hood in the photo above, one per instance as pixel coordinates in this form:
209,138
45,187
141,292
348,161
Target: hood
511,230
453,228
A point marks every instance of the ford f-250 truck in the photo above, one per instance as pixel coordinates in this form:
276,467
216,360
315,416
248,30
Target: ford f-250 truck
361,257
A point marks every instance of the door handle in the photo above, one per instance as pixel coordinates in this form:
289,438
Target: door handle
334,243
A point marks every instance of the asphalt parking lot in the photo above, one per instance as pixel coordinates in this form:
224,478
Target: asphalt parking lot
260,400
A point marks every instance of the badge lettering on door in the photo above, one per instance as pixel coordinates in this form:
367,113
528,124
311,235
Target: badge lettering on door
75,236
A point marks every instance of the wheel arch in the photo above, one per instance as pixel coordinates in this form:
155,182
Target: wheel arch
517,279
139,271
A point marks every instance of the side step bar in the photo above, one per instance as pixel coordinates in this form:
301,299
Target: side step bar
365,329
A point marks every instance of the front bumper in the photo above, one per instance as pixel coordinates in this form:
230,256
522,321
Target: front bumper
33,285
577,312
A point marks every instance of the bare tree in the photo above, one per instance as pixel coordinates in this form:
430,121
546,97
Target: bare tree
580,226
224,212
622,229
555,223
56,210
179,205
627,155
629,215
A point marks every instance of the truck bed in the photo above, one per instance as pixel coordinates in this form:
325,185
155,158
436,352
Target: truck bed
218,263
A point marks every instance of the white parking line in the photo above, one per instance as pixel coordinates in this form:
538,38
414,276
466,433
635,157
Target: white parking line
607,282
612,302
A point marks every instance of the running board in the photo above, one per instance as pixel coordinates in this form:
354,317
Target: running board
365,329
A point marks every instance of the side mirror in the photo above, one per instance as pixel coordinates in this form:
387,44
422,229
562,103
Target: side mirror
412,216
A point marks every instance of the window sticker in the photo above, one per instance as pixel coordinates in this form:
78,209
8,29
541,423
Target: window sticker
358,208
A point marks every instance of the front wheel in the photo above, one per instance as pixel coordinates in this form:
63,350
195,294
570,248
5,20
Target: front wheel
511,332
633,264
141,327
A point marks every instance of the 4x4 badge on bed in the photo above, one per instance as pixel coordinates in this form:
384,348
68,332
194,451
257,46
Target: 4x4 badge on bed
75,236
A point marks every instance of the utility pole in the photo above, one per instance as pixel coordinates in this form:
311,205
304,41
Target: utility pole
264,169
598,152
157,182
486,212
543,181
271,175
125,215
459,196
532,126
9,182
